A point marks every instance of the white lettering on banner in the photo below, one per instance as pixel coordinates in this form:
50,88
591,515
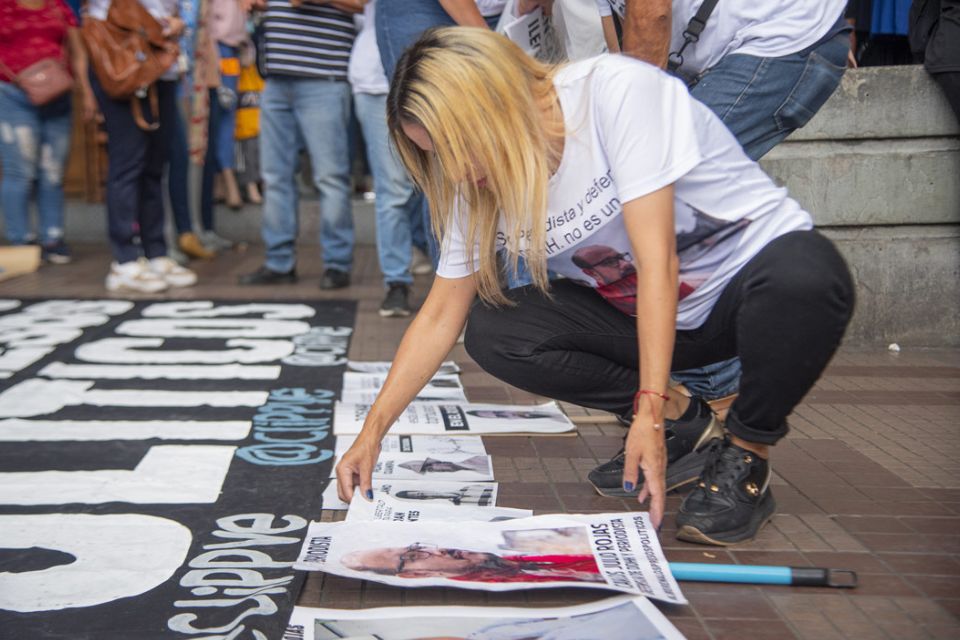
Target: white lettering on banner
233,569
161,372
117,556
29,335
167,474
288,425
36,397
213,328
321,347
150,351
16,430
205,309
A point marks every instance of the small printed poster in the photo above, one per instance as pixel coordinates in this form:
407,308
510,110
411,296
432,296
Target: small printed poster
618,618
420,444
421,466
446,368
614,551
458,494
463,419
386,507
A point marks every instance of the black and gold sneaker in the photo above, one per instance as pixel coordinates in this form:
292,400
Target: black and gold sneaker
732,500
687,438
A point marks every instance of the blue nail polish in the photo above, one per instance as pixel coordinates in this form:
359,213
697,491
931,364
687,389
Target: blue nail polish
628,486
369,494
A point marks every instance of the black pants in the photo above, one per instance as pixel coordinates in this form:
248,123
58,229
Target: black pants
783,314
135,172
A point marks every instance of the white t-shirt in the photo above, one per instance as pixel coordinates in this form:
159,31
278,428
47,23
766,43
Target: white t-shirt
489,8
365,71
631,130
755,27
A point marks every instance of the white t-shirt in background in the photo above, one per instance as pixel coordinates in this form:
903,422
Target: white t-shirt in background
631,130
365,71
755,27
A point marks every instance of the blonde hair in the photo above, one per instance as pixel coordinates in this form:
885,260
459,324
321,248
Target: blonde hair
481,99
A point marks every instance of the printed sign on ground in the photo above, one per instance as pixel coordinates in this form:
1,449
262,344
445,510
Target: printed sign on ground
385,507
463,419
618,551
446,367
619,618
420,466
421,444
467,494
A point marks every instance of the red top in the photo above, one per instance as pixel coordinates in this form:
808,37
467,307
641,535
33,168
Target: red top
550,568
30,35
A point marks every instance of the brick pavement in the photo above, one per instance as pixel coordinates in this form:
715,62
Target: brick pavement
868,479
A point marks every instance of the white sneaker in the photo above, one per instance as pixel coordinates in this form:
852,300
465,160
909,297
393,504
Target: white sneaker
134,276
172,273
420,264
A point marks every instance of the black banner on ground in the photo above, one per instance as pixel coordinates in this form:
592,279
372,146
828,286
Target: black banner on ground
159,463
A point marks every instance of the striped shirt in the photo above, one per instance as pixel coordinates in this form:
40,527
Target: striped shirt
312,41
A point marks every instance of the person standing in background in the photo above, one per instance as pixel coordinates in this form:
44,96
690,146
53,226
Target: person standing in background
247,132
394,192
178,166
35,140
935,41
135,174
228,26
306,102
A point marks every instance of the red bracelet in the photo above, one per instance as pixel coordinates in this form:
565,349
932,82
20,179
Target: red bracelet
646,392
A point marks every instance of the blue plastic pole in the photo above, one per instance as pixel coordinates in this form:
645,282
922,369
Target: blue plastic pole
748,574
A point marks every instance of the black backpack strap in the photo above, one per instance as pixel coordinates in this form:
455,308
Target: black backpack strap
692,33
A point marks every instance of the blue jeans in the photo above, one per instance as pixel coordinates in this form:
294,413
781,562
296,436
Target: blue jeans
399,24
34,143
223,138
315,113
135,172
393,189
762,101
178,168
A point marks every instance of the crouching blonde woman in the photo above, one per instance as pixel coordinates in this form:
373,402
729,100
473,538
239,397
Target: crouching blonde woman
654,244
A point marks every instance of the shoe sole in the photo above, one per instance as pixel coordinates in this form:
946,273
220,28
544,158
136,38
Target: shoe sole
394,313
679,474
58,259
689,533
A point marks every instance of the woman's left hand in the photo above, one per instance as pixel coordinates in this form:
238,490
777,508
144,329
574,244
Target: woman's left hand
646,449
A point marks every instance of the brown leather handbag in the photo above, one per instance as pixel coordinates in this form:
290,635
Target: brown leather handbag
129,53
43,82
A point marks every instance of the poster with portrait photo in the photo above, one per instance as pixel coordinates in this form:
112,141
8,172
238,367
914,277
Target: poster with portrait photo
616,618
425,466
446,368
617,551
437,385
438,444
464,419
386,507
458,494
369,396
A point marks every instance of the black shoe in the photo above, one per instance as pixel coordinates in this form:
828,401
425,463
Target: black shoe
263,275
334,279
732,500
56,252
396,303
687,439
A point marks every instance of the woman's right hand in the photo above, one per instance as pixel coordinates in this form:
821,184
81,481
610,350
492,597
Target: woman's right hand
355,469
